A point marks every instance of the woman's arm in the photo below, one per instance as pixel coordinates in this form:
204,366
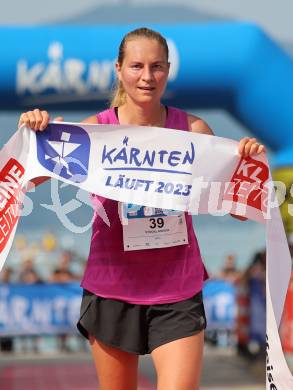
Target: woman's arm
91,120
197,125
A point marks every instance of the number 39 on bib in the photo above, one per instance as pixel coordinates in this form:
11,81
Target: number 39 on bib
148,227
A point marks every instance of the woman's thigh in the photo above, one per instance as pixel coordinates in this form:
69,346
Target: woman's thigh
178,363
116,369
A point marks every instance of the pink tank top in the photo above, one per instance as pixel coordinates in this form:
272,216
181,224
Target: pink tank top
148,276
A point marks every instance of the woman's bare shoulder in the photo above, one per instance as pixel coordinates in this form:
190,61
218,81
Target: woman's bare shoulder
91,119
198,125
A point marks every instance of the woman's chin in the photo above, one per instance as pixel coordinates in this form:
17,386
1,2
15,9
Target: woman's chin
146,99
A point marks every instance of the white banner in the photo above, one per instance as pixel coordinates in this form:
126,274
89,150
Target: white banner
162,168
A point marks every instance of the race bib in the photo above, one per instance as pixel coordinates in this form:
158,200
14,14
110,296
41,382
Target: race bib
149,227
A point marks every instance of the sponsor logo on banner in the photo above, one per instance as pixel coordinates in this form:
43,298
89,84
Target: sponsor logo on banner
247,185
10,192
64,150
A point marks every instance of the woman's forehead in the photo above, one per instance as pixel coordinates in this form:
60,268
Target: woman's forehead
144,48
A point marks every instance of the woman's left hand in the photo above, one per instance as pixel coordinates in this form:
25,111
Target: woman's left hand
249,146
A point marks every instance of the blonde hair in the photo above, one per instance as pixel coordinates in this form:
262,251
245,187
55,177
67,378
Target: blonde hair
118,95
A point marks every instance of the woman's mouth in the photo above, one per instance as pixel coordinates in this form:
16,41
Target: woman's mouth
146,88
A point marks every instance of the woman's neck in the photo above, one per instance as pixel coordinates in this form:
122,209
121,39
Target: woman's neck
147,115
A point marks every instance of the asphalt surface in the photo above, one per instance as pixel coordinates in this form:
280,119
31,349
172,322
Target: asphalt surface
223,370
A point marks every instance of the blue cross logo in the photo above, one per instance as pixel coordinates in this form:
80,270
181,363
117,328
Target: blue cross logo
64,150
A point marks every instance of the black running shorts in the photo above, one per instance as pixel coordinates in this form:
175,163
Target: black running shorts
136,328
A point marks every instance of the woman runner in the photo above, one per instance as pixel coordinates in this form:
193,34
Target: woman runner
146,301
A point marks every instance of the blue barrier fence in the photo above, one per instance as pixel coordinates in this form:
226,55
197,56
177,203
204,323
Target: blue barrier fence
39,308
220,304
54,308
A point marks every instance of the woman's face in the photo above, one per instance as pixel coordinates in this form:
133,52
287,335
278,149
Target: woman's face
144,70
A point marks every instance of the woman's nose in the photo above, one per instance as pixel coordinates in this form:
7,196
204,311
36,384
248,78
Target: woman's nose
147,73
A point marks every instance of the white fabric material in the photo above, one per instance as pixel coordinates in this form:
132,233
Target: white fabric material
169,169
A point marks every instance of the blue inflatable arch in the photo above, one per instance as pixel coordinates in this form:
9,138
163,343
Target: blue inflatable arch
233,66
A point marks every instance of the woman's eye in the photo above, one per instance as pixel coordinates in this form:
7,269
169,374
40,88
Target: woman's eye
157,66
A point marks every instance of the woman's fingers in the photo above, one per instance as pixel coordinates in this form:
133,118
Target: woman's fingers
31,119
38,119
45,120
241,145
23,120
261,149
249,146
256,148
35,120
253,149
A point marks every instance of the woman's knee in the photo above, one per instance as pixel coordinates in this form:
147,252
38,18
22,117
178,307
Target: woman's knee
178,363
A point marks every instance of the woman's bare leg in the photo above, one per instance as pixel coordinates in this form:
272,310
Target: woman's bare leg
178,363
116,369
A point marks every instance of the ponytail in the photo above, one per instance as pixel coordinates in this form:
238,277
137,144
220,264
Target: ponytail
118,96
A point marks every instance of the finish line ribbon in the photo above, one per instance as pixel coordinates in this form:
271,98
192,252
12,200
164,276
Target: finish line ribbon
156,167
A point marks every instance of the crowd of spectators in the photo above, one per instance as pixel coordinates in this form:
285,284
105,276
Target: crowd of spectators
40,262
248,335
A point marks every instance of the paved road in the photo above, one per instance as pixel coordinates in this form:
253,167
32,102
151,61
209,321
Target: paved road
223,370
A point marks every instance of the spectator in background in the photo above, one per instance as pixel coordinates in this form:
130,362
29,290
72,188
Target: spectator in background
257,268
63,274
251,291
28,275
230,272
6,343
6,275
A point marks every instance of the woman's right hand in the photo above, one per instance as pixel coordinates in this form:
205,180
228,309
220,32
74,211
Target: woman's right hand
36,119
